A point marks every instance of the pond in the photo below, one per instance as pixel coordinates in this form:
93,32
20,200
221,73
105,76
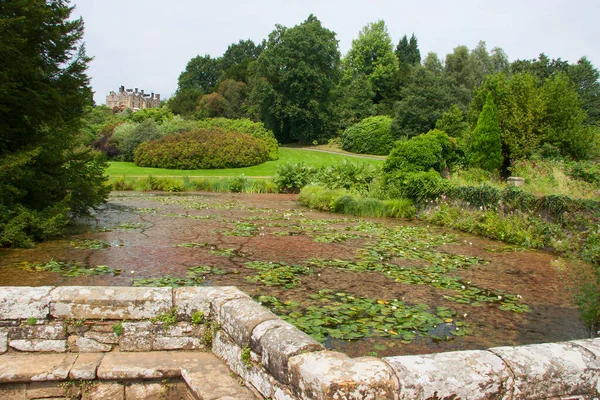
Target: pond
361,286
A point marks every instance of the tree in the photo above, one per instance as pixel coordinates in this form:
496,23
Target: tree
44,91
236,60
586,80
372,55
294,80
485,146
202,73
423,102
407,51
453,122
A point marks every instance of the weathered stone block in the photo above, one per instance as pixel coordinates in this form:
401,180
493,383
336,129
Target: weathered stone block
137,336
550,370
78,344
25,302
146,391
253,375
85,366
206,299
13,392
39,345
277,341
177,343
212,380
153,365
110,303
52,331
461,374
102,337
35,367
239,317
42,390
3,340
105,391
332,375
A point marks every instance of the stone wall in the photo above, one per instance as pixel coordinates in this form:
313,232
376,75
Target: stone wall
274,358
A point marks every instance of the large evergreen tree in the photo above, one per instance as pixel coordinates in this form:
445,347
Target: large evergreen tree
294,80
44,90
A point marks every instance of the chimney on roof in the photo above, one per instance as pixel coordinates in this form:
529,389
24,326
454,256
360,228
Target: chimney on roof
136,90
142,92
121,89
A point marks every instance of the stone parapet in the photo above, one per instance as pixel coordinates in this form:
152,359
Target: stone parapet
94,333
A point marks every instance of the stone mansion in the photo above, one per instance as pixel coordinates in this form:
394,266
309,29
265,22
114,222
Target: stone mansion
130,98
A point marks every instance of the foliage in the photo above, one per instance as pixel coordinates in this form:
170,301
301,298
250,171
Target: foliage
118,329
586,79
422,103
485,147
421,153
168,318
295,76
202,148
341,315
158,115
370,136
201,72
130,136
418,186
68,269
44,93
586,171
343,202
352,176
587,298
185,101
277,274
244,125
197,318
291,177
407,51
453,122
372,56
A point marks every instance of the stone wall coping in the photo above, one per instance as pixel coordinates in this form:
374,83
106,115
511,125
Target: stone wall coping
272,356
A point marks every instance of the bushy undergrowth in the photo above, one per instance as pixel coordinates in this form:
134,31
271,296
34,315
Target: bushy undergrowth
370,136
344,202
239,184
291,177
202,149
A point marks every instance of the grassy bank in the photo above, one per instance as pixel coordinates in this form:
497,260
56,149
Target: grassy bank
313,158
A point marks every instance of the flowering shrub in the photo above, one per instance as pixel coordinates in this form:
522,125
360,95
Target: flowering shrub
202,149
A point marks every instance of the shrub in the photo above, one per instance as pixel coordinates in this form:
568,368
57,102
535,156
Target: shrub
129,136
369,136
202,149
421,153
417,186
586,171
291,177
319,198
356,177
238,184
244,125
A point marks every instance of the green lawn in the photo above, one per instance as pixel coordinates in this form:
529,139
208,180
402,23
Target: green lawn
313,158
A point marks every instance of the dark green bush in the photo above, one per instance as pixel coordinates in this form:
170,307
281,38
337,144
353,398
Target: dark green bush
515,198
244,125
130,136
477,196
370,136
291,177
202,149
421,153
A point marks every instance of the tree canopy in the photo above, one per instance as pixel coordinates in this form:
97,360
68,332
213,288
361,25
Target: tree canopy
296,74
44,92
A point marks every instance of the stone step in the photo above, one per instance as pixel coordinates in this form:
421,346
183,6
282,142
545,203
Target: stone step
207,377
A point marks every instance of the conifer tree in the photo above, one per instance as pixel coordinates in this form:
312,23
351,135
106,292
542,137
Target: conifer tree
485,150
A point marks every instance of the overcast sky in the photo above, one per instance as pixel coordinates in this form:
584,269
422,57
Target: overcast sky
147,43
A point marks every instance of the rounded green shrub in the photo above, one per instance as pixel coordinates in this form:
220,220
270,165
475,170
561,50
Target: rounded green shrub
202,149
369,136
244,125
